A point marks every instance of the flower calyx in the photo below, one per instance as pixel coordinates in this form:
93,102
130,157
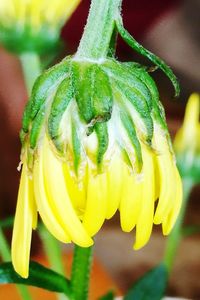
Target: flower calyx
90,109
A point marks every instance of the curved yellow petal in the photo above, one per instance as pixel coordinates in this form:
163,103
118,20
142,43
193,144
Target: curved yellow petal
39,12
114,181
24,218
171,218
131,200
96,207
145,219
76,190
166,168
61,10
186,136
45,205
57,191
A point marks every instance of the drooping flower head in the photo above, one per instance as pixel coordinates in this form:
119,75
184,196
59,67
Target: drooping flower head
94,141
33,25
187,141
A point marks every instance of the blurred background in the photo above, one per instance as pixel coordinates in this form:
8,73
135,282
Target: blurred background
170,29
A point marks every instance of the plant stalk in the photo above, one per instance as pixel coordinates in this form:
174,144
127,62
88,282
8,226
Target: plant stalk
95,42
31,66
4,247
80,276
52,250
175,237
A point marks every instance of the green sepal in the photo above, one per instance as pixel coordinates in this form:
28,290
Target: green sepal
76,147
22,136
93,93
37,126
103,140
152,57
26,119
83,86
156,106
62,98
140,106
39,276
131,132
102,99
41,90
116,71
134,89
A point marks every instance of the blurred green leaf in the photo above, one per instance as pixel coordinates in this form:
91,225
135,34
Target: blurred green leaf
109,296
190,230
7,223
151,286
39,276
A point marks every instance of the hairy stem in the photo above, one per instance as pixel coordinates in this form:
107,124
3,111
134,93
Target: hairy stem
81,272
95,42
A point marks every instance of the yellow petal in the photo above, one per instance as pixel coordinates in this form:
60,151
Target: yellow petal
166,168
76,190
131,200
171,218
24,218
45,205
57,191
114,181
96,207
145,219
186,137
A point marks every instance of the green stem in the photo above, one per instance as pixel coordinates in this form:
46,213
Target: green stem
54,254
31,68
176,234
4,247
52,250
94,44
81,272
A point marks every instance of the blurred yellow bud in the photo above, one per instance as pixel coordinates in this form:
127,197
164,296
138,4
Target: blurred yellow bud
187,140
33,25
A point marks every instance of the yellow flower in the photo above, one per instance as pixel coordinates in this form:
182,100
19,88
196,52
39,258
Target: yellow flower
94,141
187,140
34,24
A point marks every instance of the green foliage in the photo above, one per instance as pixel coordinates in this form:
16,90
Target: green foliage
109,296
151,286
39,276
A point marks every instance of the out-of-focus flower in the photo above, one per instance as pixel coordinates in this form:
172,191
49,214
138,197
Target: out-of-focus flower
33,25
94,141
187,141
